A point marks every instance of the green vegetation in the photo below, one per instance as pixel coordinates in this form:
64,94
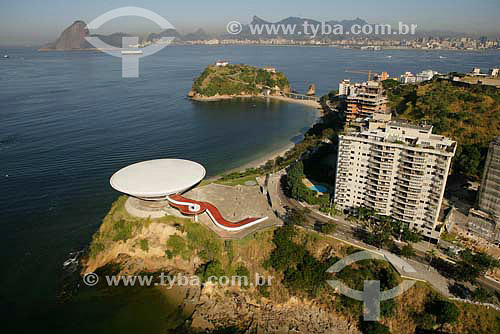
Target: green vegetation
437,312
197,240
468,267
303,273
122,230
469,115
144,244
379,230
371,327
328,228
119,226
211,268
295,188
407,251
238,79
298,260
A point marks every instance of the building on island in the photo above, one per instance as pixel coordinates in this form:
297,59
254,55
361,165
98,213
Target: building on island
221,63
397,169
270,69
485,220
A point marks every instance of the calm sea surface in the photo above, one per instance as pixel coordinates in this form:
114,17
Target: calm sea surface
68,120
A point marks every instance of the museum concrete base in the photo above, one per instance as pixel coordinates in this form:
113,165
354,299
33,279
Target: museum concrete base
144,209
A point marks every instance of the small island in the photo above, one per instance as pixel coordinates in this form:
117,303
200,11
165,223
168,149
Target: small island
226,81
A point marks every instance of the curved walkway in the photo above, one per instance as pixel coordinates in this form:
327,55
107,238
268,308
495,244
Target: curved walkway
191,207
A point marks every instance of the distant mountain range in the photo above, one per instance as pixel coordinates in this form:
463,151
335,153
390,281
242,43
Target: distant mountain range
298,22
73,37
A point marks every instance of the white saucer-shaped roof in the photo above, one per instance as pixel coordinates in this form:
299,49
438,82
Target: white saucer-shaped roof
153,179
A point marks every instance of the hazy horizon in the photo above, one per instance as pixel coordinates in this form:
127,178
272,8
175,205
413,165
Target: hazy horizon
34,22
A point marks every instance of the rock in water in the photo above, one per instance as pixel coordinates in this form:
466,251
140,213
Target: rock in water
311,90
73,37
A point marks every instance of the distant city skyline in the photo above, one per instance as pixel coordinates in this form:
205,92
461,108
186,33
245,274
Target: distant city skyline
38,22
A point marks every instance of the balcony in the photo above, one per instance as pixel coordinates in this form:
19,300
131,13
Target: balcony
404,209
405,201
413,160
377,188
403,217
381,166
412,166
410,193
377,177
411,174
409,182
375,205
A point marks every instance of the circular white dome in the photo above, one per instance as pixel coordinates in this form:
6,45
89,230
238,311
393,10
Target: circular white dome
157,178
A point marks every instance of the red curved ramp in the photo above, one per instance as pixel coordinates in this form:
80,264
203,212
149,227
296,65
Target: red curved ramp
191,207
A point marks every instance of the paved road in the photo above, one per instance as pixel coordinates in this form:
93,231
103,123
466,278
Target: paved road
345,231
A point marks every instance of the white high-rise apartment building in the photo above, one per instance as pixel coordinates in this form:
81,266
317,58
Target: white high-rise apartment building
399,171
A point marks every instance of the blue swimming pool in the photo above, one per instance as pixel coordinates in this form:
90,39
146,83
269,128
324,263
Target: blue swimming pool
319,188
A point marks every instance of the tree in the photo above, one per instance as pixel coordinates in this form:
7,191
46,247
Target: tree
407,251
296,217
327,133
411,236
379,230
431,254
373,327
328,228
444,311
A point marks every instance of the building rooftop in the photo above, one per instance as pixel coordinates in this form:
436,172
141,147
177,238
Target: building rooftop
403,124
403,133
153,179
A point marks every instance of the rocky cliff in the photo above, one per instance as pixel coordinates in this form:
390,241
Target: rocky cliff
176,245
72,37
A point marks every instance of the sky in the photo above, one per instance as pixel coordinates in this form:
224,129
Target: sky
41,21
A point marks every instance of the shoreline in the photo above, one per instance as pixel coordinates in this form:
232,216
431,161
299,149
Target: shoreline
313,104
259,161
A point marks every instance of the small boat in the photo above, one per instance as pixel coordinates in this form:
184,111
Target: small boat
5,56
442,57
132,52
389,57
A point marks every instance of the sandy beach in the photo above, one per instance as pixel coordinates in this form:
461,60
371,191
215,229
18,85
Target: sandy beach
259,161
309,103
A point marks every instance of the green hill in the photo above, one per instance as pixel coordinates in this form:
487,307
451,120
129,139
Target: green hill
238,80
469,115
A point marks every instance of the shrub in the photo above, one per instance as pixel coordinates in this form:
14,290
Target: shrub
144,244
212,268
95,248
373,327
122,230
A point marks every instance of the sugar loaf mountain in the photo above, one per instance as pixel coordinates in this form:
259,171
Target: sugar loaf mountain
73,38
